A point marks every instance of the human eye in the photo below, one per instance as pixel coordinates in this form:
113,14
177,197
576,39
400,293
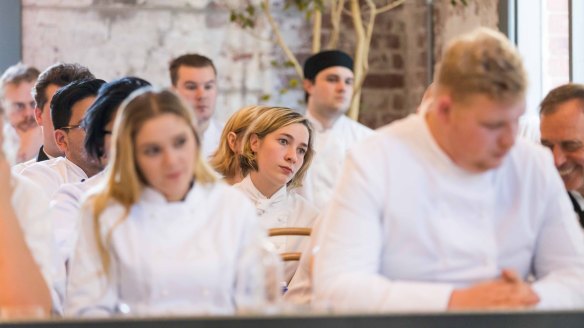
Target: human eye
151,151
209,86
180,141
302,151
19,106
190,86
349,81
332,78
571,146
283,141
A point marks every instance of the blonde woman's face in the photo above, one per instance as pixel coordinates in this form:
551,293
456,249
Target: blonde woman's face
165,151
280,154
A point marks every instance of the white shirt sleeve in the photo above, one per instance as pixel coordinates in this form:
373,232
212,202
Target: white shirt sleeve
559,252
38,231
89,293
347,268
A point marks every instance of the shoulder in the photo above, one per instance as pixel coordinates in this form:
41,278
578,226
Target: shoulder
358,130
301,204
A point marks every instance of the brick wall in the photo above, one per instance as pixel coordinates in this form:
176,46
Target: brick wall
139,37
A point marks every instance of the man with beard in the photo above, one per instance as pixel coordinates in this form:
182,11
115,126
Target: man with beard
68,108
194,78
562,131
15,95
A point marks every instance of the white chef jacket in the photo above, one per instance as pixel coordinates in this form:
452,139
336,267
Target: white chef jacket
284,209
64,212
330,146
167,257
211,138
31,207
406,226
51,174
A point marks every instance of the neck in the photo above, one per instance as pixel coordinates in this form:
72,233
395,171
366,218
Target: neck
236,178
437,133
203,126
90,170
267,189
327,122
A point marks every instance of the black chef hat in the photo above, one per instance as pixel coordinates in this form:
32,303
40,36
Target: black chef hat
325,59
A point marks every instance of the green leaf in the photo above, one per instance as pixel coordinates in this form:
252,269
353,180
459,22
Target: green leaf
250,10
293,83
288,64
265,97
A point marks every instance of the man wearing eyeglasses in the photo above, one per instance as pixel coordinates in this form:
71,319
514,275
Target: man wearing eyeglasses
68,106
22,133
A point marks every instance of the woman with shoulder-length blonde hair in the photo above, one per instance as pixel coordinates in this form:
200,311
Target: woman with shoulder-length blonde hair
225,160
277,151
157,238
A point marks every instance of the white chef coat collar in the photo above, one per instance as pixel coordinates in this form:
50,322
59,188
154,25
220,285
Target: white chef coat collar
318,127
153,196
443,159
261,202
75,169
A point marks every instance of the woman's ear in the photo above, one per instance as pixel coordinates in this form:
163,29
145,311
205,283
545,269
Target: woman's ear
232,141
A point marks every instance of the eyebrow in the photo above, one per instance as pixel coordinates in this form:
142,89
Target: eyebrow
206,82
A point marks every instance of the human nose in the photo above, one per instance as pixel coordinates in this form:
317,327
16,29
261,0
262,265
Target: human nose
170,157
200,93
559,156
507,138
291,155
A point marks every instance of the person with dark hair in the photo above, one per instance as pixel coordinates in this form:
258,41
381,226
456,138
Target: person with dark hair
194,78
22,133
68,106
98,124
47,84
562,131
328,83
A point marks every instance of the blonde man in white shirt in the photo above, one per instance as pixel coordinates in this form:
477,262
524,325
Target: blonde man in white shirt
157,238
449,210
328,83
277,152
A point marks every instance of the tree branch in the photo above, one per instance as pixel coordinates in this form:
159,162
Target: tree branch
390,6
280,40
316,28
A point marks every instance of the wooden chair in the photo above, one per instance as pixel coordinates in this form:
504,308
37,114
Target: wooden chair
290,231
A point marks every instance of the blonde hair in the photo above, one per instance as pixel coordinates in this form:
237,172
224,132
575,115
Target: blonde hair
268,122
124,182
482,62
225,160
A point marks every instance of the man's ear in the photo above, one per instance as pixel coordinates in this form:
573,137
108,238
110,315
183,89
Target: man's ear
307,85
62,140
443,107
232,141
38,116
254,142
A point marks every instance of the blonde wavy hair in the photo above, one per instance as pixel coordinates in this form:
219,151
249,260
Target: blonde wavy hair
224,160
271,120
482,62
124,182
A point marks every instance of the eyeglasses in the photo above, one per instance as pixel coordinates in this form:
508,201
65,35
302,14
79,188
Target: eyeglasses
72,127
